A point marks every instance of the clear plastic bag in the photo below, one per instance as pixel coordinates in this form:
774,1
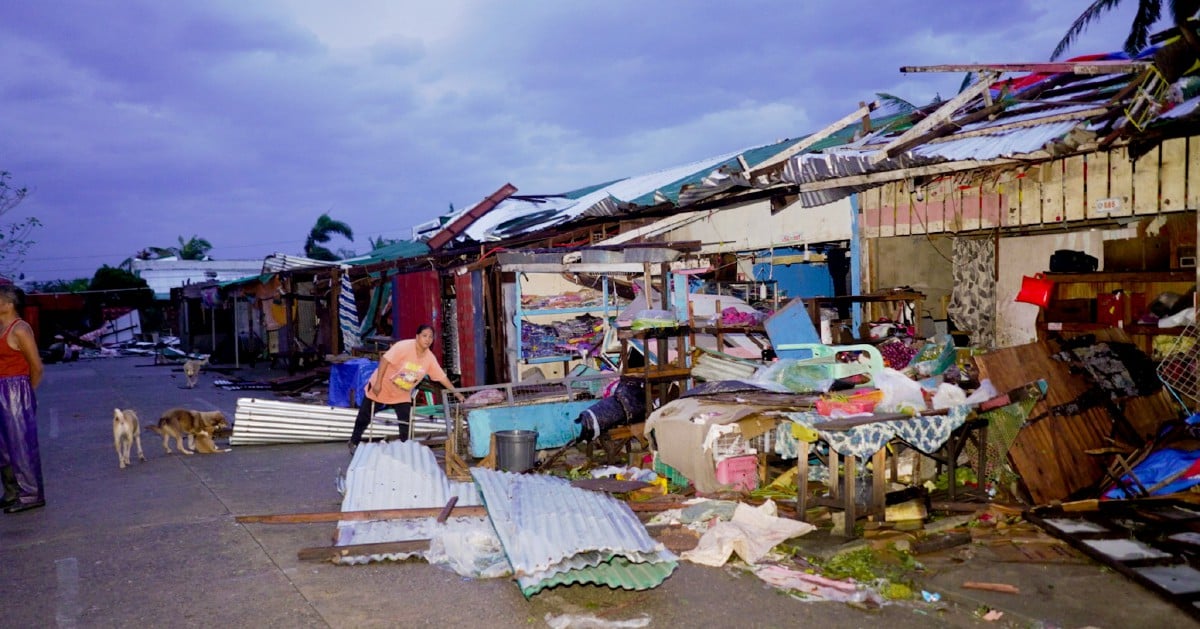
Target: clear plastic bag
797,375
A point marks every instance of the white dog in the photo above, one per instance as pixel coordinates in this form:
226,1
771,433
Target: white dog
126,432
191,369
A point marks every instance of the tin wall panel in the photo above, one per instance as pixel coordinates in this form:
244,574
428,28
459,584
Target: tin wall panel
416,300
468,291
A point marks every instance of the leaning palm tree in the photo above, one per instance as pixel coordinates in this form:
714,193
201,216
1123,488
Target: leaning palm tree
322,232
195,248
1148,13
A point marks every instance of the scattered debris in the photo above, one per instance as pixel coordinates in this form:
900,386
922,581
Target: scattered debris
991,587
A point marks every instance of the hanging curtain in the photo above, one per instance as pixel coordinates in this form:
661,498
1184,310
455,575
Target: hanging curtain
973,302
348,314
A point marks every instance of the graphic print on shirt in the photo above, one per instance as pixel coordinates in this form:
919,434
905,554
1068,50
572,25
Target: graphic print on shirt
409,375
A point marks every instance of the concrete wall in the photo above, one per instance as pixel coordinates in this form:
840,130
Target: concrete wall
918,262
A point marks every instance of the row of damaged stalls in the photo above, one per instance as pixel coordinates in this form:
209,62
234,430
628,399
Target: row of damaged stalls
1074,280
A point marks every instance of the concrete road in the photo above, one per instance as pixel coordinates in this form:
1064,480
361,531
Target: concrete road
156,544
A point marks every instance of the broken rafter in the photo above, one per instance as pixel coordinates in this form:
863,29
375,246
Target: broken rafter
905,173
1116,66
460,224
333,553
376,514
810,140
939,116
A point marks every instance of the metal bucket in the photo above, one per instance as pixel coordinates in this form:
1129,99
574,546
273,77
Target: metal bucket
516,450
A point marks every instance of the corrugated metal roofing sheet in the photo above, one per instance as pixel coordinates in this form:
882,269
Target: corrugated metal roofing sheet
1008,143
527,214
283,262
555,534
401,250
398,475
261,421
839,163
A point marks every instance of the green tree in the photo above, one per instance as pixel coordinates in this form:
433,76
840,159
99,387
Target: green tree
322,232
195,248
116,288
1148,13
14,237
77,285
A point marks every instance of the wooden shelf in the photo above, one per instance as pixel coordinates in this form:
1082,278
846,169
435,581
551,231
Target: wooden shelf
1140,288
1125,276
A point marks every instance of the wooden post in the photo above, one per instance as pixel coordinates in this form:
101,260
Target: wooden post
802,481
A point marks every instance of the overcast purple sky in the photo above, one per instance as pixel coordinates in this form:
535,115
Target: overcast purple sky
139,121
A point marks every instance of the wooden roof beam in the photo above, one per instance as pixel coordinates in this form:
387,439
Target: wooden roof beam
905,173
811,140
940,115
1111,66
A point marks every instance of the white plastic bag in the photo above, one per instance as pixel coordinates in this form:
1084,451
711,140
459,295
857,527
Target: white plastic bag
901,394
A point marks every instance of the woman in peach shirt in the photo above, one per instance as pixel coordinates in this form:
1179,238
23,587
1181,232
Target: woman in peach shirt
400,369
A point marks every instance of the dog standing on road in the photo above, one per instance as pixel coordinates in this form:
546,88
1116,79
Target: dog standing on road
126,432
182,424
191,369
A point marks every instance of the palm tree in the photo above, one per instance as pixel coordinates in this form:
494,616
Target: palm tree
322,232
195,248
1148,12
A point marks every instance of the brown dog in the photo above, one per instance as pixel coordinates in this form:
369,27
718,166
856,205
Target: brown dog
126,432
181,423
205,444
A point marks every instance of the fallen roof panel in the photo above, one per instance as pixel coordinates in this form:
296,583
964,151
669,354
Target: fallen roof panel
554,533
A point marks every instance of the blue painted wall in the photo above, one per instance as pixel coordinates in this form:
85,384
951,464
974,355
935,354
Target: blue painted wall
796,280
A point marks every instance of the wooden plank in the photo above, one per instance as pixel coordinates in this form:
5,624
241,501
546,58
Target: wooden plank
905,173
1145,183
1095,180
871,210
1172,175
347,516
1010,193
887,211
330,553
1120,180
1052,192
936,118
935,204
1193,173
1030,197
1102,66
804,144
1049,454
972,204
906,223
1074,198
992,206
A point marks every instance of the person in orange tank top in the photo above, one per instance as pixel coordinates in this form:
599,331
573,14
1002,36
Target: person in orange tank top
20,374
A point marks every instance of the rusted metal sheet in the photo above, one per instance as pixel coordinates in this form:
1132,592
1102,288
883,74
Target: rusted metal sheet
417,300
460,224
472,344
